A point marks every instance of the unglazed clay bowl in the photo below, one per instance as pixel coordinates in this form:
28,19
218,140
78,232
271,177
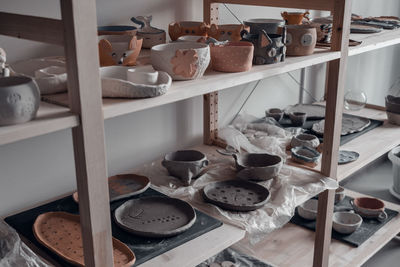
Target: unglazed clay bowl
306,156
227,32
392,104
308,140
308,210
258,167
346,222
181,60
300,40
339,194
19,100
232,57
275,113
370,207
185,164
270,26
117,30
181,28
298,118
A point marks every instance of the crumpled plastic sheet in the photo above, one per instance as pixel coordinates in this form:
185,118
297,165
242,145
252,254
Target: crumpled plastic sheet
13,252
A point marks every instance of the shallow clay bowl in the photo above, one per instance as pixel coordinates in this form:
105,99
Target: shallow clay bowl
370,207
346,222
117,30
306,156
308,140
275,113
308,210
258,167
392,104
232,57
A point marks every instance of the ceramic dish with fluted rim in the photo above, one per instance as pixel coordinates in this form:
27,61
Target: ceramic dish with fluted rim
346,222
308,210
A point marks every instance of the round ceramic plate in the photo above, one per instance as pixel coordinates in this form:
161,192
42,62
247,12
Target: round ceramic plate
155,216
349,125
347,156
314,112
236,195
364,29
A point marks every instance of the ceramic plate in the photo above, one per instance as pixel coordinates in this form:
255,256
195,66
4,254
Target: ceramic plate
349,125
236,195
124,185
347,156
364,29
314,112
155,216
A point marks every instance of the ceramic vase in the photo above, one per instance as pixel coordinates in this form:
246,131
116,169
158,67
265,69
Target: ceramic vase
178,29
294,18
119,50
227,32
151,36
270,26
232,57
300,40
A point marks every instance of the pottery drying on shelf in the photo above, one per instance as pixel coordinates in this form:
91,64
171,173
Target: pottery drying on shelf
346,222
350,125
392,104
123,186
178,29
347,156
394,157
300,40
298,118
295,18
313,111
227,32
155,216
308,210
151,36
393,118
236,195
275,113
19,100
355,28
306,156
339,194
258,167
369,207
119,50
140,82
117,30
268,25
181,60
307,140
232,56
185,164
61,233
192,38
324,29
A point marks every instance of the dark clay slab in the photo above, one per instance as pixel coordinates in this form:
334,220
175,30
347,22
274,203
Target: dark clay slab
236,195
155,216
347,156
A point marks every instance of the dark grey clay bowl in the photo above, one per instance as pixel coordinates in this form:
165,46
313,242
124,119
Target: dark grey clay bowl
298,118
392,104
308,140
185,164
305,155
275,113
258,167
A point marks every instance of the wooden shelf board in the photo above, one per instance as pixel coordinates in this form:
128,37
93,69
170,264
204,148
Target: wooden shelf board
50,118
293,245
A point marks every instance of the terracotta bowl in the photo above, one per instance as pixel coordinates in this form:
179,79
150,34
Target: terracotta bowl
232,57
308,140
308,210
270,26
300,40
258,167
346,222
306,156
117,30
392,104
181,60
370,207
227,32
275,113
181,28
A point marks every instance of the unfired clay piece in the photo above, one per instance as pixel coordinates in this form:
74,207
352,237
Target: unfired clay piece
258,167
181,28
349,125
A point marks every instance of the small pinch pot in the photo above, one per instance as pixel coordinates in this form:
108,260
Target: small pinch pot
298,118
339,194
178,29
185,164
258,167
119,50
268,25
306,156
181,60
346,222
392,104
19,100
232,57
275,113
369,207
300,40
117,30
308,210
308,140
295,18
227,32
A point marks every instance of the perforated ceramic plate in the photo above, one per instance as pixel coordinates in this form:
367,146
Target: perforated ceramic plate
155,216
349,125
314,112
236,195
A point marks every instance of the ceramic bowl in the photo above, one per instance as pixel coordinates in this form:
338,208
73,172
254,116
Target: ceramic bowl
19,100
270,26
185,164
232,57
306,156
300,40
119,50
192,38
181,28
339,194
308,140
181,60
298,118
308,210
294,18
370,207
227,32
324,29
258,167
346,222
275,113
117,30
392,104
151,39
393,118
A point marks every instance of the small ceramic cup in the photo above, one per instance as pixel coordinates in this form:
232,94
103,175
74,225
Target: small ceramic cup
275,113
298,118
308,140
345,222
142,76
369,207
308,210
339,194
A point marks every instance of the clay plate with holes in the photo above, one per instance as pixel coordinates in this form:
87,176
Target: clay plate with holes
155,216
123,186
236,195
61,233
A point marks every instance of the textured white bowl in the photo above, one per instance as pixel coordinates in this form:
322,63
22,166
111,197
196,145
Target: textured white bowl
308,210
346,222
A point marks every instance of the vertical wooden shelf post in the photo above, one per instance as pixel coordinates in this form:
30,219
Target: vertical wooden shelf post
84,89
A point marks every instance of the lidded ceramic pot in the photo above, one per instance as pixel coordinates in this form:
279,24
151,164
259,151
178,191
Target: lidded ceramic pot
227,32
232,57
151,36
268,25
19,100
181,28
300,40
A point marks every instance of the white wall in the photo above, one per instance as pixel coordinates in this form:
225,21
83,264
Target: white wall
40,168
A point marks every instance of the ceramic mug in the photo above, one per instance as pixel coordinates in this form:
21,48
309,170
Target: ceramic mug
369,208
142,76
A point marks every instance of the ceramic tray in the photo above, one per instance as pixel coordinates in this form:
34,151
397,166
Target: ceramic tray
155,216
313,112
61,233
349,125
123,186
236,195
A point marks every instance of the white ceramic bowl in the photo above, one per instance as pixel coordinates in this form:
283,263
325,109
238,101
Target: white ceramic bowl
308,210
346,222
181,60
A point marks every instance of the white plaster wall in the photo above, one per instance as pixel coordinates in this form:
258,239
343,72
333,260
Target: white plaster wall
37,169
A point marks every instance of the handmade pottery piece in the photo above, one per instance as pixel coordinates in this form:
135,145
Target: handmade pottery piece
178,29
307,140
300,40
4,70
258,167
393,118
19,100
392,104
232,57
369,207
151,36
339,194
346,222
306,156
355,28
61,233
394,157
140,82
192,38
117,30
298,118
350,124
227,32
236,195
181,60
308,210
155,216
295,18
314,112
123,186
270,26
119,50
347,156
185,164
268,48
275,113
324,29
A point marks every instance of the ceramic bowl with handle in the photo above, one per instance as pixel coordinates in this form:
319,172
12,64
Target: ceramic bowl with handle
345,222
308,210
369,207
308,140
258,167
